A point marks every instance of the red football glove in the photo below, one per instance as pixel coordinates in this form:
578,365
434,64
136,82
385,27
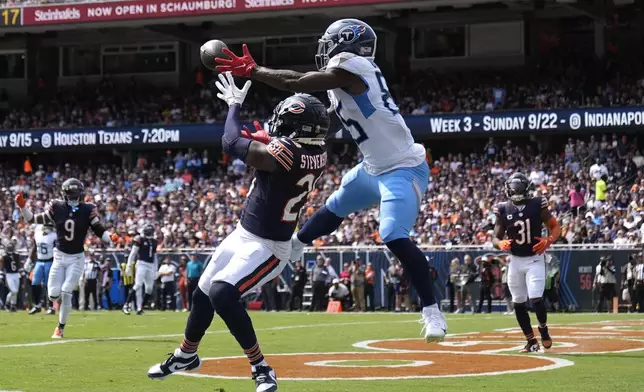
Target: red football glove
505,245
114,237
20,200
260,135
238,66
542,245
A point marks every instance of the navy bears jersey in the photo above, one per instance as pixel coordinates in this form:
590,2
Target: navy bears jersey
522,223
12,263
272,208
71,224
147,248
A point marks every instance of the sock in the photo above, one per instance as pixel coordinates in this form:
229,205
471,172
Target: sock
255,356
61,326
36,291
416,268
523,318
14,299
139,298
7,300
199,320
65,308
541,312
146,298
225,300
322,222
130,297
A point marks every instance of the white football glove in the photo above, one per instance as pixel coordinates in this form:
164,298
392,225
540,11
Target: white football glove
229,92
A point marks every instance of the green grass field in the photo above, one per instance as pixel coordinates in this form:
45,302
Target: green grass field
106,351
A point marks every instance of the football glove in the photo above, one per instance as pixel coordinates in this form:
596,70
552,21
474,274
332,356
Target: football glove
20,200
229,92
543,245
505,245
238,66
260,135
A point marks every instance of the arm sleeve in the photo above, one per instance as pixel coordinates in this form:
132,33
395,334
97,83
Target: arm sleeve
132,257
95,223
232,142
42,218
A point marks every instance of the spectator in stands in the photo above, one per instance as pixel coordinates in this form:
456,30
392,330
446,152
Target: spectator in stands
576,196
600,192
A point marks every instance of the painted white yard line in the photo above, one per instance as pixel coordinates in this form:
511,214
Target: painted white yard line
175,335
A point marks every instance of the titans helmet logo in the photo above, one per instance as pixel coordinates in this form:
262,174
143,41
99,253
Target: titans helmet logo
350,34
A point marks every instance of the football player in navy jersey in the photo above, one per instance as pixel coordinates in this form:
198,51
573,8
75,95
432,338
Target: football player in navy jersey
286,170
144,253
71,218
393,173
522,218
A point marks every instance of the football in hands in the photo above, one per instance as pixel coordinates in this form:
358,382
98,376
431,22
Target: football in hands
211,50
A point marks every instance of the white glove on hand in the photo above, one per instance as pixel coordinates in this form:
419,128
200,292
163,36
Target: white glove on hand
229,92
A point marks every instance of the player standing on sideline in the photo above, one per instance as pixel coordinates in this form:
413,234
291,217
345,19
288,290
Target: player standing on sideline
144,252
72,218
13,270
393,173
522,218
128,283
43,251
258,250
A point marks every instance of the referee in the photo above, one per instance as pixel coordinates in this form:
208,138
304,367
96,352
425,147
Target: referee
128,284
92,269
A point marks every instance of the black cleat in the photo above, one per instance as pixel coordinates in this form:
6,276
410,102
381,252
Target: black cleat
531,347
265,380
177,362
34,310
139,312
51,311
546,340
126,311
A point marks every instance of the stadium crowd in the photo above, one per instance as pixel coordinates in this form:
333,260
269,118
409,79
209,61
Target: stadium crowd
595,187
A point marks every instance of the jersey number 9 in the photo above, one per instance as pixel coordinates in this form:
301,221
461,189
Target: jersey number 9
69,228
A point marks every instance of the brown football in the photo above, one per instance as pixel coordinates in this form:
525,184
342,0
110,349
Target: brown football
211,50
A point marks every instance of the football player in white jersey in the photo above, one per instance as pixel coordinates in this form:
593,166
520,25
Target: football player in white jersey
43,253
393,173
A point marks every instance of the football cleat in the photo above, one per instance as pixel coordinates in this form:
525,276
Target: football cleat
435,325
12,309
139,312
51,311
265,380
125,310
546,340
177,362
58,333
531,347
34,310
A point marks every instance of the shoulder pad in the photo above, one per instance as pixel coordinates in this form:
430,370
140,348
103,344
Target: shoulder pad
136,240
283,150
350,63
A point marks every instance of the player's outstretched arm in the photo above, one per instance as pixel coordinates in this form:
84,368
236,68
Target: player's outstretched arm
42,218
99,230
287,80
254,153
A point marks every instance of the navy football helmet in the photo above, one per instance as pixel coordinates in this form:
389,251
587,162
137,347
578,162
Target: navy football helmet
346,35
148,231
73,192
518,187
300,117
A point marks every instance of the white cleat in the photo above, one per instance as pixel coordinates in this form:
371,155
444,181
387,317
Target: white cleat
435,325
176,362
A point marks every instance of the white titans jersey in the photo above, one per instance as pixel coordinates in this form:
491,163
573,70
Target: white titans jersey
373,118
45,244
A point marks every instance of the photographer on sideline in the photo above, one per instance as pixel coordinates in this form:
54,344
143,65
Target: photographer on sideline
605,280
